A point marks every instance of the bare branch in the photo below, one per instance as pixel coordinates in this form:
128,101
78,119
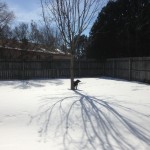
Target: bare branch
72,17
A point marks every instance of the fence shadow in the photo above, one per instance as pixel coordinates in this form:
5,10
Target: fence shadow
88,123
27,84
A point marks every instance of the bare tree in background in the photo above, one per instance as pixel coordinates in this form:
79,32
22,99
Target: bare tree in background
72,17
6,16
21,34
50,38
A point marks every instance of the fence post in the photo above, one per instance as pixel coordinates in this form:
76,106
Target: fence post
114,67
104,68
79,68
22,69
130,69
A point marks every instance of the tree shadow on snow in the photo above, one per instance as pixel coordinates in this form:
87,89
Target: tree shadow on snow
87,122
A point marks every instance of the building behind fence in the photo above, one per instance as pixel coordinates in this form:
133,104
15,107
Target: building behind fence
137,69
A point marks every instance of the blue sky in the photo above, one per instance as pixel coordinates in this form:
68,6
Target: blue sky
25,10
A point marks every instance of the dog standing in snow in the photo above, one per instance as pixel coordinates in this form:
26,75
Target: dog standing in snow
76,84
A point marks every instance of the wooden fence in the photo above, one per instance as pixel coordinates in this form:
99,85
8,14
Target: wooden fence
47,69
137,69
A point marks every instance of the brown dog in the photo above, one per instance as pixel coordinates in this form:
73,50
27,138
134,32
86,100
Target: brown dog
76,84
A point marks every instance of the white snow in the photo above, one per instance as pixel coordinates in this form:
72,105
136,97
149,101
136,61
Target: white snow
103,114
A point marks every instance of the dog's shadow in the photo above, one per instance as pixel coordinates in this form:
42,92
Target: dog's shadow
88,122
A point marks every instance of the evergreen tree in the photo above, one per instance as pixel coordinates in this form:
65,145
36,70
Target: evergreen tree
122,29
80,50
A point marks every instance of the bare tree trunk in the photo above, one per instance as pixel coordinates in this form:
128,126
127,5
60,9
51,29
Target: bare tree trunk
72,72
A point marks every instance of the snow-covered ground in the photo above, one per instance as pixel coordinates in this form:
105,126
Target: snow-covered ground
103,114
